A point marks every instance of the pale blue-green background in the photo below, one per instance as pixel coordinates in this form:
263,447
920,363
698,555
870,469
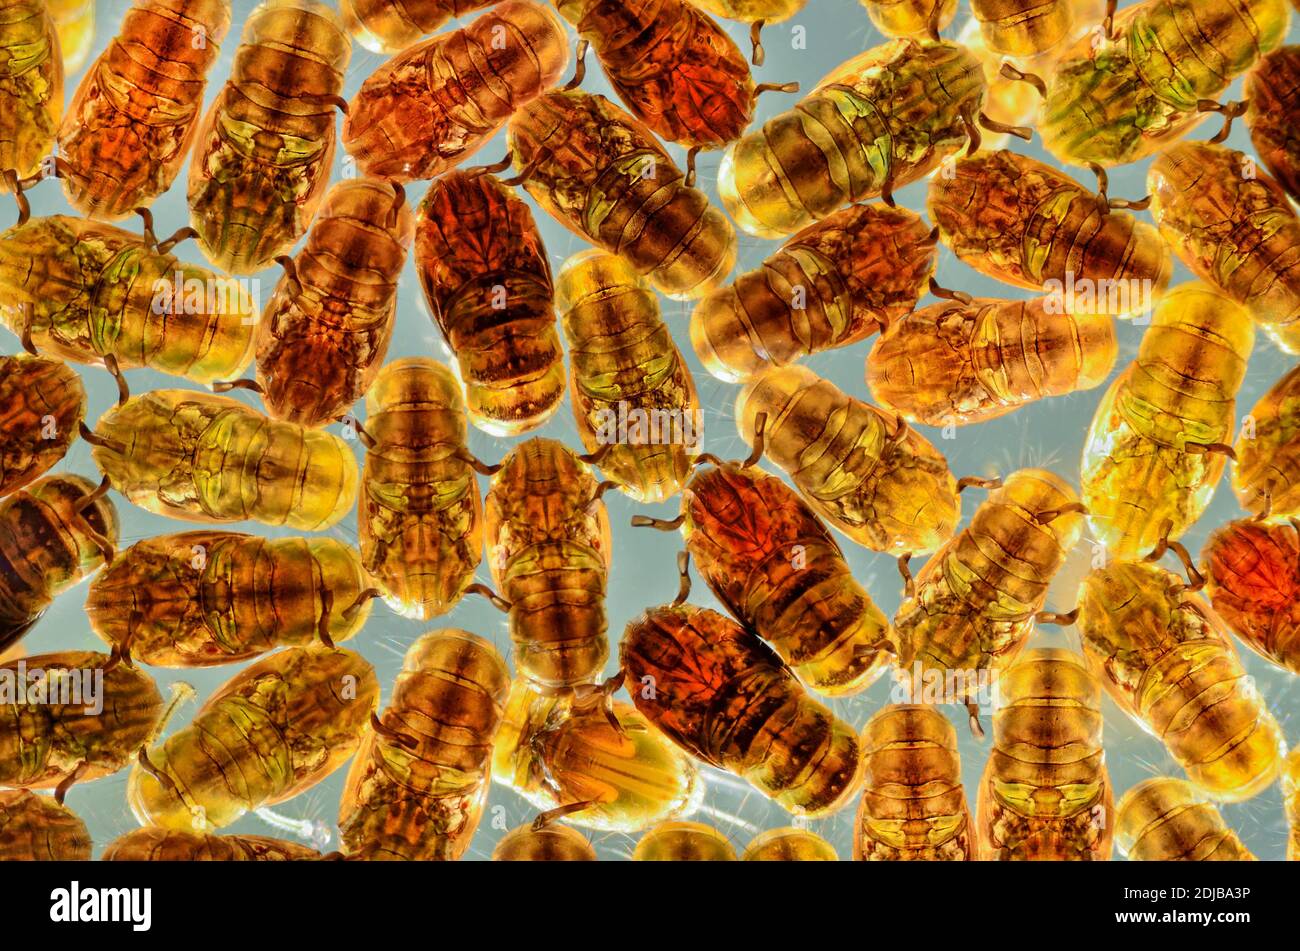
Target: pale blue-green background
1049,434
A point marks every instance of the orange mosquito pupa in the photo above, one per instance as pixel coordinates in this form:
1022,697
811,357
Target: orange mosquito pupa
952,364
1164,657
420,518
433,105
632,393
195,599
265,147
488,283
130,124
98,294
1266,477
274,729
833,284
54,533
601,173
885,118
972,606
671,65
1158,440
324,332
724,696
549,548
420,780
1028,224
872,477
91,720
35,828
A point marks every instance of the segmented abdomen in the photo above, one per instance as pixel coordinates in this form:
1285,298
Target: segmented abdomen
1024,28
1045,794
1154,451
435,104
1115,101
390,26
913,807
417,786
1167,820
